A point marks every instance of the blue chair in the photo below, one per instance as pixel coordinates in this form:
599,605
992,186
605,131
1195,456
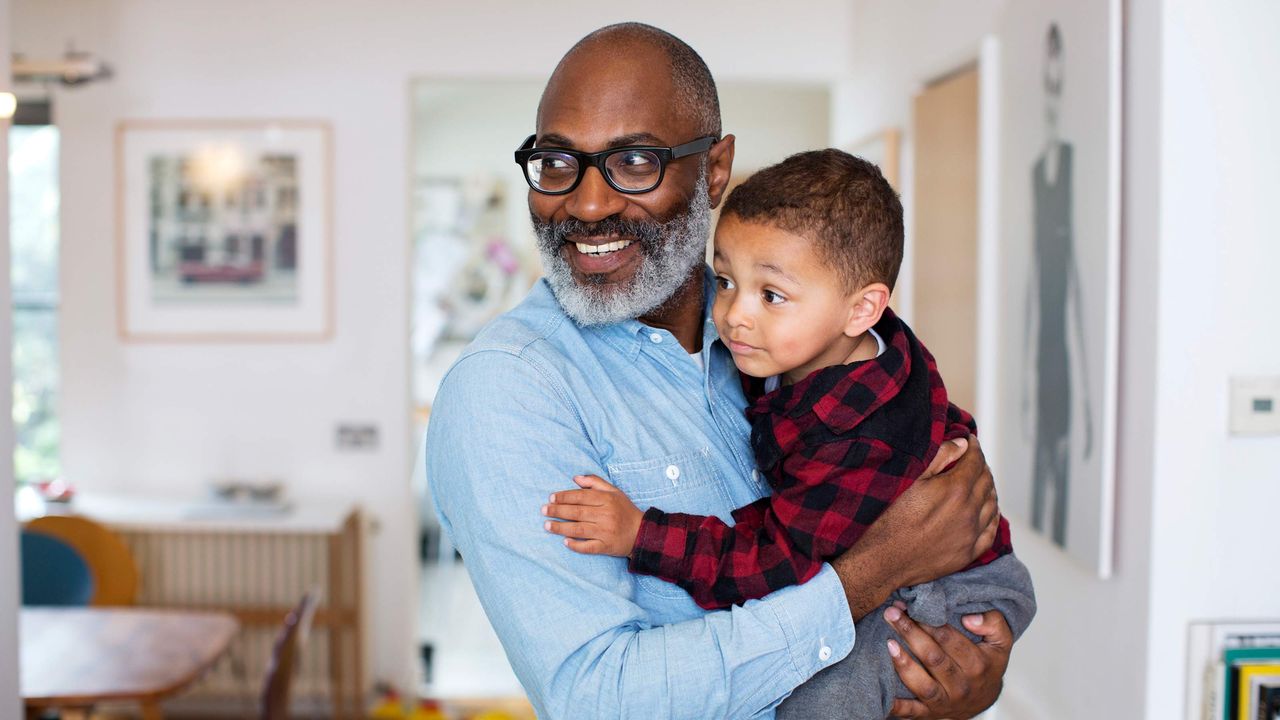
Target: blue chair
53,573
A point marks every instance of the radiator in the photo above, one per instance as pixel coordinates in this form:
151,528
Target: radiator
258,571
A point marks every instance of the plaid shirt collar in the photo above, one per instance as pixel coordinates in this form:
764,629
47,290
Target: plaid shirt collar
839,396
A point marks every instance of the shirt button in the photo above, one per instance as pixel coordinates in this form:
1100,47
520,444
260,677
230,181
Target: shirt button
656,337
824,654
755,475
673,473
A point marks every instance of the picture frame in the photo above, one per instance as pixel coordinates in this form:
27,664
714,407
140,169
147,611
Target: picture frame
1059,272
224,231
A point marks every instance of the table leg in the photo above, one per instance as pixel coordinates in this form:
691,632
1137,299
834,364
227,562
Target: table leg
151,710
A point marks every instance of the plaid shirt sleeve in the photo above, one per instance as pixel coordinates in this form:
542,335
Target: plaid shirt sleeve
829,495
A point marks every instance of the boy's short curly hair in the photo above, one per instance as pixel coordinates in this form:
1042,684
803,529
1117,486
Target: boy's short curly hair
840,202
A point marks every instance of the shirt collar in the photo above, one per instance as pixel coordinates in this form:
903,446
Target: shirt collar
842,396
628,336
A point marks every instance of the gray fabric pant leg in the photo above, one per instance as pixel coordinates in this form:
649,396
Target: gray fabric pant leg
863,685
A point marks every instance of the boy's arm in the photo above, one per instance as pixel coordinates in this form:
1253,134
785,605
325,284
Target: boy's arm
822,509
503,436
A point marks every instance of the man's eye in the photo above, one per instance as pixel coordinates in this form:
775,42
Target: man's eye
724,283
772,297
554,163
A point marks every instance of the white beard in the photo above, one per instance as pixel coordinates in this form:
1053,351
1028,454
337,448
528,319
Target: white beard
669,251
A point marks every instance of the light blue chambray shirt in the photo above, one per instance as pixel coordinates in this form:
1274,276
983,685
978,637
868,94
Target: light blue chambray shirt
537,399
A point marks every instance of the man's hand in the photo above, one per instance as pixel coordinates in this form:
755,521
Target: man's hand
954,677
940,525
598,520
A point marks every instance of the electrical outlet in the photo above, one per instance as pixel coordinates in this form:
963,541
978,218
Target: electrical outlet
353,436
1255,406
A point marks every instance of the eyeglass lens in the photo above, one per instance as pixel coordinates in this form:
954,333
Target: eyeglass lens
634,170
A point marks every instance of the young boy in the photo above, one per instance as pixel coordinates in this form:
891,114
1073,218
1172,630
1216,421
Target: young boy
846,407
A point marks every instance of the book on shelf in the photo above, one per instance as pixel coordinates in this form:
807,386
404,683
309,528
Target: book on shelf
1268,702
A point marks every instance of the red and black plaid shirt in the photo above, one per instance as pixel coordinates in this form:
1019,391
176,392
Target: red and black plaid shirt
837,447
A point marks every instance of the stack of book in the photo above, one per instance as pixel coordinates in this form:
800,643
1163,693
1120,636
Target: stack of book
1241,678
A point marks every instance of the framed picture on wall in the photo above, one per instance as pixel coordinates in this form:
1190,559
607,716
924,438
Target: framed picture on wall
1059,272
224,231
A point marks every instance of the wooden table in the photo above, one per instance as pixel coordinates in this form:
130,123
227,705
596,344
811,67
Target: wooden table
73,658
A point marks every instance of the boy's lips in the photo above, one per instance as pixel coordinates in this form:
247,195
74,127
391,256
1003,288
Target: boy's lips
740,348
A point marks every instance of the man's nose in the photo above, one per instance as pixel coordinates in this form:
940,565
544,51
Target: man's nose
593,199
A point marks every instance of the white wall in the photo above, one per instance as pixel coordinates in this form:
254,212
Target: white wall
1215,496
8,529
167,418
1069,664
897,48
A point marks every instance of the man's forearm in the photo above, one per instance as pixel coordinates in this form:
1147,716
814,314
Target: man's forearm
866,577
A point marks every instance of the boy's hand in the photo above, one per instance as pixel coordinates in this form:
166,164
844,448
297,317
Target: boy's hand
599,519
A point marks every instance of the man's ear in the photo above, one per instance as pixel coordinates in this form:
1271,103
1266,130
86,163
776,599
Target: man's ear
719,167
865,308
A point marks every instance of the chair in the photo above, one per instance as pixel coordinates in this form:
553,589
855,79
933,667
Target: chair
284,657
53,573
115,573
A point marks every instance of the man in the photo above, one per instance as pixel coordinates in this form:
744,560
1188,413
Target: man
611,367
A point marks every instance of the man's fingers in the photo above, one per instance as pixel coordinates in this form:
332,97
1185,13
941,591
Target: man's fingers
962,650
908,709
949,452
935,660
916,678
992,628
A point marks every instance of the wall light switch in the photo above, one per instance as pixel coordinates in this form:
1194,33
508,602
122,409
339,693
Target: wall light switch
352,436
1255,406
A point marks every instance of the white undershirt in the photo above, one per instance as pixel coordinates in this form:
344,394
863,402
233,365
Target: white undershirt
773,383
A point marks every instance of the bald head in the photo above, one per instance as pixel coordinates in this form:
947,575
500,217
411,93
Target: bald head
693,90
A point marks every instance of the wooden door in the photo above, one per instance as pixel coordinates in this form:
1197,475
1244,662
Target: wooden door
945,128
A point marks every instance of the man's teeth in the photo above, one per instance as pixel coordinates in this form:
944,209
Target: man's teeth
604,249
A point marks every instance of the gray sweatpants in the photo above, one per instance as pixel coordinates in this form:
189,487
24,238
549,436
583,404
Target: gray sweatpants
863,685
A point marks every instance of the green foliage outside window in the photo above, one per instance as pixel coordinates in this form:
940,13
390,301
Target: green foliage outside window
33,212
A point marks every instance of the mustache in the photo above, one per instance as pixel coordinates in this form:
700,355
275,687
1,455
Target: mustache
646,233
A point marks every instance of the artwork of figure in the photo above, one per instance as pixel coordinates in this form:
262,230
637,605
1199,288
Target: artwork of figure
1054,286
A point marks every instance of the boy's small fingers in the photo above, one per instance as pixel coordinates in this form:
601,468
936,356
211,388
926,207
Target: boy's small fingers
569,512
593,482
569,529
586,547
577,497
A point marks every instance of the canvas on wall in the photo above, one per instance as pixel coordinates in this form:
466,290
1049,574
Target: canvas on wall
1059,87
224,230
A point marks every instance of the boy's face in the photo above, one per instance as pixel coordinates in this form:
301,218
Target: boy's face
779,308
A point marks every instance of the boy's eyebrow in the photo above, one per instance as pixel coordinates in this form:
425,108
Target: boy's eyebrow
767,267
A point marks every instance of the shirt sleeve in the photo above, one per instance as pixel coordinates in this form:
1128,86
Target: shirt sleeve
504,435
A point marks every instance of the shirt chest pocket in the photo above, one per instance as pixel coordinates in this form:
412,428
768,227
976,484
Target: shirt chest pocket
686,482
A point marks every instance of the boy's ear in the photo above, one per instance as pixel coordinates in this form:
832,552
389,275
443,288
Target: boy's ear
866,305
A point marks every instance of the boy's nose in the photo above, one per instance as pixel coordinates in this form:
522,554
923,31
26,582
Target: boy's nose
739,315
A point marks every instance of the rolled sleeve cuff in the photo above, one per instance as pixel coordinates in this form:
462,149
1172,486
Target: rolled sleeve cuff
817,623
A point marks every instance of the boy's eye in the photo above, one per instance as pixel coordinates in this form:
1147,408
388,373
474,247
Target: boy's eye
772,297
724,283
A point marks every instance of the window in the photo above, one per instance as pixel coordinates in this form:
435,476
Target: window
33,236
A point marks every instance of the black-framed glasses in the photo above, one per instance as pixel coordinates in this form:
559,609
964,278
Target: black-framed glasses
633,169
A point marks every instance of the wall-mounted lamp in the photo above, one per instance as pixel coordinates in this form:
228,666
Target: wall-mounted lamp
8,105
